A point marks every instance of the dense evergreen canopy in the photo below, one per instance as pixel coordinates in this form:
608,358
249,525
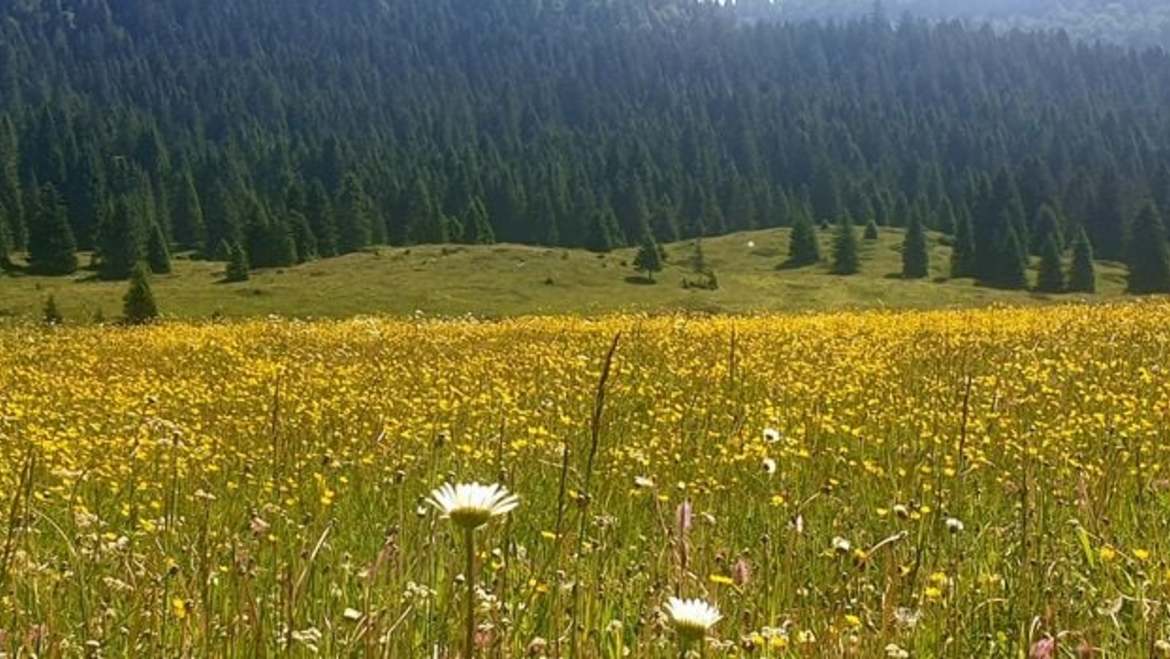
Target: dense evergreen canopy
296,128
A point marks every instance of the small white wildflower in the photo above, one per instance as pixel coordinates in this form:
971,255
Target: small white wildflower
692,619
471,505
894,651
796,524
907,618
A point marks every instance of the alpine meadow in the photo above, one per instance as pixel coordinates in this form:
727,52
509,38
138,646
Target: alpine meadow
584,329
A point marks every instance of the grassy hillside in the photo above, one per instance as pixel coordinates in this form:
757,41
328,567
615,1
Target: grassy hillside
504,280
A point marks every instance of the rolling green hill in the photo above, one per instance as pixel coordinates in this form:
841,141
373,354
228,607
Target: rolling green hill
501,280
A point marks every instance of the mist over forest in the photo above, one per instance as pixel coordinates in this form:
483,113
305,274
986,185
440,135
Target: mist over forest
1139,23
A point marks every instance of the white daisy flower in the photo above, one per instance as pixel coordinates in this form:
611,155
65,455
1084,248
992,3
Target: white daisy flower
954,525
906,617
692,619
841,545
769,466
472,505
797,524
894,651
771,435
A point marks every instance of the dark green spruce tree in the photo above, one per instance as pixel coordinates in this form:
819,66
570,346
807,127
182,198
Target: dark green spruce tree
846,259
120,241
354,216
604,234
698,259
238,269
945,217
477,230
1148,257
871,230
319,211
303,237
804,246
51,247
424,223
158,254
138,305
12,207
1082,275
1051,276
187,214
915,255
5,241
1012,270
223,251
649,257
963,249
1045,226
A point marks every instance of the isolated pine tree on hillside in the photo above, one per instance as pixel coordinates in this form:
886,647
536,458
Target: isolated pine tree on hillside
846,260
803,244
699,260
915,255
238,268
138,304
871,230
649,257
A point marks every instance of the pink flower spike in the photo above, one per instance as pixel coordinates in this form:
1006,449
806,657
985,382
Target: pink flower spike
1045,648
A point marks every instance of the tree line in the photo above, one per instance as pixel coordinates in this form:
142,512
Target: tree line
1135,22
269,133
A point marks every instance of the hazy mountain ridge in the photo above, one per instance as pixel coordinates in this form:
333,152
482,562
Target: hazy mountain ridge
1138,23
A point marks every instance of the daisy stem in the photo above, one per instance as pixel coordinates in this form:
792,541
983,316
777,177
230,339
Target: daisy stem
470,641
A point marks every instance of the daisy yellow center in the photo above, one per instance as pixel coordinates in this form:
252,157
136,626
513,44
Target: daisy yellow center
470,517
